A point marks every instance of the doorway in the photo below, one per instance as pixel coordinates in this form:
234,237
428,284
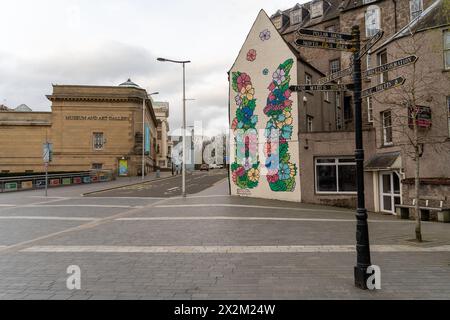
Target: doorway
390,191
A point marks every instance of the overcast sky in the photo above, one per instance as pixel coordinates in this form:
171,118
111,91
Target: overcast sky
104,42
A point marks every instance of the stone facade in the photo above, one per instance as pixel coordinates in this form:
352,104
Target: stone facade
163,128
90,127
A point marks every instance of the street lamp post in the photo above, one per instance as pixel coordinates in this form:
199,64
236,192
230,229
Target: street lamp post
184,120
143,133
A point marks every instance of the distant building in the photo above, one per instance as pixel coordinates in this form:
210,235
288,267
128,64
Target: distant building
163,146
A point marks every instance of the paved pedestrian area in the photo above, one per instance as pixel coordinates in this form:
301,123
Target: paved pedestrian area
208,246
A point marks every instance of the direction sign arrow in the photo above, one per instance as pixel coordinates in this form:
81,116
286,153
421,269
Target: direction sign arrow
335,76
382,87
390,66
324,45
326,34
318,87
370,43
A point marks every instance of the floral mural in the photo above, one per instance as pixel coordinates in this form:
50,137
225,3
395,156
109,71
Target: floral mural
245,170
281,171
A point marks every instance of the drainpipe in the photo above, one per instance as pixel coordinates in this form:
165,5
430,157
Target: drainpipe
395,15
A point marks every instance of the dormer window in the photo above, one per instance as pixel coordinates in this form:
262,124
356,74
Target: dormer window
296,16
316,9
278,22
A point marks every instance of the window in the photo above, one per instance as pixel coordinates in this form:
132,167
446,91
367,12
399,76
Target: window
416,8
447,49
278,22
372,20
332,28
335,175
159,135
370,109
335,65
309,123
316,9
387,128
98,141
382,59
326,96
162,164
448,108
368,59
296,16
97,166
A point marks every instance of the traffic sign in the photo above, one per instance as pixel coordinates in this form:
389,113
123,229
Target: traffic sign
390,66
319,87
324,45
370,43
326,34
382,87
335,76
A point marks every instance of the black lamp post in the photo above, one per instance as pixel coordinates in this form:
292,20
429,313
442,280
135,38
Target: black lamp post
362,228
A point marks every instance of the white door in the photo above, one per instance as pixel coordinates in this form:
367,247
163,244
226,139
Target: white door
390,191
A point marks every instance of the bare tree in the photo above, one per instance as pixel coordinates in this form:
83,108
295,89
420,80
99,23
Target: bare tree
409,106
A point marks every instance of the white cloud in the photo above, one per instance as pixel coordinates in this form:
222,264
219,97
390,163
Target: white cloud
105,42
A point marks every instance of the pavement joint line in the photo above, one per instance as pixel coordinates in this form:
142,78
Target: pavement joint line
231,249
7,205
89,225
250,219
80,206
49,218
246,206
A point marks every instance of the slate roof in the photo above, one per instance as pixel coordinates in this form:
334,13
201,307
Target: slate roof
382,161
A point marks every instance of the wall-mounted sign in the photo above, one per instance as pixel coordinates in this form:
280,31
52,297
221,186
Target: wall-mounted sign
77,180
97,118
66,181
26,185
86,179
55,182
40,184
147,139
11,186
423,117
123,168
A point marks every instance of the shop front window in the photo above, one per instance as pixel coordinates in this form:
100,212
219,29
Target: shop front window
335,175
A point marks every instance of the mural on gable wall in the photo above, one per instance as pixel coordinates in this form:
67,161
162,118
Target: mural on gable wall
245,170
281,172
265,159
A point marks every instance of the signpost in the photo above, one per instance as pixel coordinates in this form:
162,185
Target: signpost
354,45
369,44
390,66
325,34
335,76
382,87
324,45
47,155
319,87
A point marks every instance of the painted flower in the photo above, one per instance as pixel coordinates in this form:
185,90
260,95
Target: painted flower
253,175
248,113
254,120
273,178
234,124
247,164
240,172
287,94
265,72
251,55
293,169
234,177
284,172
240,125
272,162
286,132
248,92
279,76
264,35
238,100
272,86
242,81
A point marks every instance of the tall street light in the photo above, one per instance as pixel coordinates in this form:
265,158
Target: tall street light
143,133
183,62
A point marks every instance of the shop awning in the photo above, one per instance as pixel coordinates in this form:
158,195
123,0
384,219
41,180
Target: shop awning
384,161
